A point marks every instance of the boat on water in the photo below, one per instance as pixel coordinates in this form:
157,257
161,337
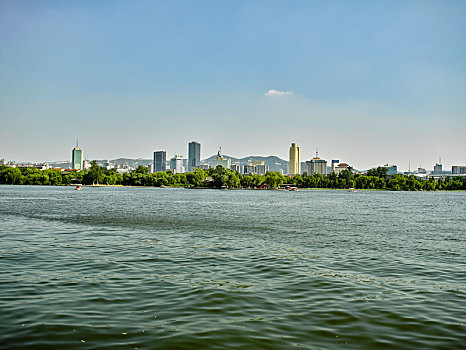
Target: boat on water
78,187
352,190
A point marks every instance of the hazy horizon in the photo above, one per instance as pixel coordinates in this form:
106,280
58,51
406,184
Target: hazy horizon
368,83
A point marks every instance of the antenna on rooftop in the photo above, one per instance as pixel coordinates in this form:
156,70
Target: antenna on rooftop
317,152
440,160
77,143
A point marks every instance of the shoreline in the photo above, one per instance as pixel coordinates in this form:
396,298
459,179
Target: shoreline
261,189
355,190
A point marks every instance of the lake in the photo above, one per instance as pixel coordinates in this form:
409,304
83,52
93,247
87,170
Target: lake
151,268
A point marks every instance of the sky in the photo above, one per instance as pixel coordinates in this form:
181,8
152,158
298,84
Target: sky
365,82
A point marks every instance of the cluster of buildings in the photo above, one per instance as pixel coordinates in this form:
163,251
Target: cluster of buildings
319,166
179,164
314,166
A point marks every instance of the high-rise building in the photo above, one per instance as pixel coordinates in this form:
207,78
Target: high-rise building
438,167
458,169
77,158
316,166
194,155
160,161
176,164
295,160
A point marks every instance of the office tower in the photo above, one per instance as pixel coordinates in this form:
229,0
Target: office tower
458,169
295,160
77,158
438,167
160,161
316,166
176,164
194,155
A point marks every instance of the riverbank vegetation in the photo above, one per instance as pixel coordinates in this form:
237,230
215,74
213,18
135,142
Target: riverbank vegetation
226,178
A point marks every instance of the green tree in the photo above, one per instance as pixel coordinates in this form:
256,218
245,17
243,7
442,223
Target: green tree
379,172
141,169
196,178
274,179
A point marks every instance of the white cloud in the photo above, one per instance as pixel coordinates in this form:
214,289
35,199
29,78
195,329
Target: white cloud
274,93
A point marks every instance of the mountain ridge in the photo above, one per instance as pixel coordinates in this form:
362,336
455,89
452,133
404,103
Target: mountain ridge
273,162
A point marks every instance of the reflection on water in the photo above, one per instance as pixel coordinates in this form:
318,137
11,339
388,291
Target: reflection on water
146,268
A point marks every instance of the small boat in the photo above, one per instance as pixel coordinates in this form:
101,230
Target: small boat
352,190
79,188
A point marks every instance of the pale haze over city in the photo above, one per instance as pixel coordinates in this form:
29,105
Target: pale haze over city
368,83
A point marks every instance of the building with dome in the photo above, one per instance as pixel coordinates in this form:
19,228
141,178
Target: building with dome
221,160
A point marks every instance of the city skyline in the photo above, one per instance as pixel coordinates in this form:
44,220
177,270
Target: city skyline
303,161
367,83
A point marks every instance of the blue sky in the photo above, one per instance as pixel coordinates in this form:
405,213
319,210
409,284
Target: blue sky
368,82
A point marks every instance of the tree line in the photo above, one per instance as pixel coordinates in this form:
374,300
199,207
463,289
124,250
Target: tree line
376,178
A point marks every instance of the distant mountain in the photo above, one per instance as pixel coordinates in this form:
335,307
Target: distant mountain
273,162
127,161
119,161
61,164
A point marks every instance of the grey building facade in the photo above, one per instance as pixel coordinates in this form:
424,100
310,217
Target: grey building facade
194,155
160,161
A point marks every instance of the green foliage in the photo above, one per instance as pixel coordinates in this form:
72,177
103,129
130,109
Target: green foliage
196,178
225,178
375,179
274,179
141,169
379,172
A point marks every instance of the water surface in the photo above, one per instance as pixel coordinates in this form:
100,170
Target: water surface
148,268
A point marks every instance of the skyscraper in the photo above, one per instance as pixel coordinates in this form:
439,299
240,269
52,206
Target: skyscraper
176,164
77,158
194,155
316,166
295,160
160,161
